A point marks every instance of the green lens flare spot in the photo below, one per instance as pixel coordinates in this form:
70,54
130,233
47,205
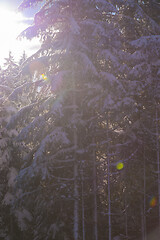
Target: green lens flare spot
119,166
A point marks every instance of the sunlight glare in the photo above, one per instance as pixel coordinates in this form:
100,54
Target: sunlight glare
11,25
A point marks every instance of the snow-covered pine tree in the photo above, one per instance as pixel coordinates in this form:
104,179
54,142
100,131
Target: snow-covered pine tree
152,8
9,152
9,166
10,70
74,36
149,101
144,63
23,58
89,74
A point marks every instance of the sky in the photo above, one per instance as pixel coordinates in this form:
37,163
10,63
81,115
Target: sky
12,23
13,5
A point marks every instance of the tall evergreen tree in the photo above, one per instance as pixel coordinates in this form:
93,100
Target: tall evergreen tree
92,107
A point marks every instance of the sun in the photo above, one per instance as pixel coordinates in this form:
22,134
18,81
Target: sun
12,23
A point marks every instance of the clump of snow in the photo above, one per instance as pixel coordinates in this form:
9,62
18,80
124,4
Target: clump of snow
22,216
11,176
8,198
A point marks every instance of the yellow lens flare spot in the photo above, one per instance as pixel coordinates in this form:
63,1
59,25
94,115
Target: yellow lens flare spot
153,202
119,166
44,77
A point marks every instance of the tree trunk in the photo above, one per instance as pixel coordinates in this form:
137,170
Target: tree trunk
126,218
144,198
142,222
83,211
158,165
11,226
76,202
109,200
95,192
76,193
108,182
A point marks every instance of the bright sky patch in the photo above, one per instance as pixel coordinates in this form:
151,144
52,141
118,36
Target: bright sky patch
11,25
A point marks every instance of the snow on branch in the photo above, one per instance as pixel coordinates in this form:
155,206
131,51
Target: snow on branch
13,96
58,135
21,116
109,55
28,3
65,150
109,77
150,22
23,216
6,89
32,130
146,41
75,28
105,5
12,176
88,64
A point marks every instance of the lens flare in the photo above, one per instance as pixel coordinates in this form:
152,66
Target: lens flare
153,202
119,166
44,77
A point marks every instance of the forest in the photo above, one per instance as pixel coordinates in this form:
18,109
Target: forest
80,124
